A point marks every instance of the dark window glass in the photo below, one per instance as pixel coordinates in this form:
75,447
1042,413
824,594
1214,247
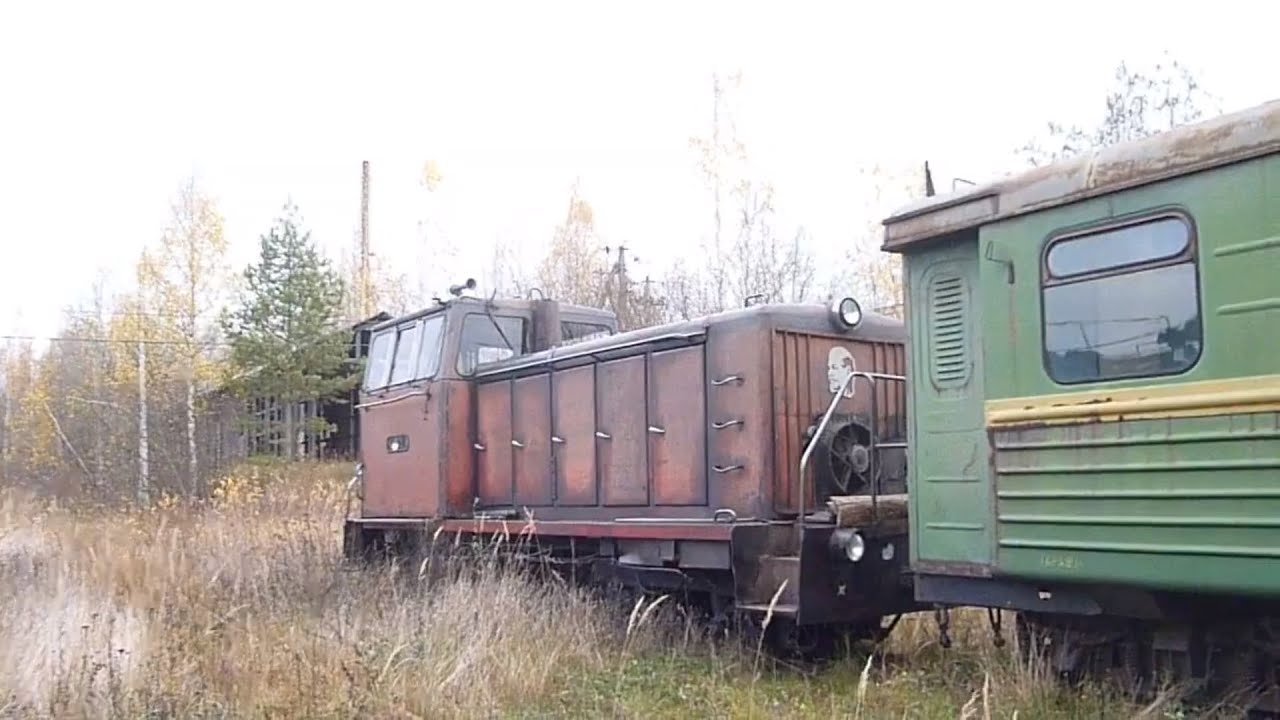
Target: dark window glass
486,340
1119,247
1143,321
579,331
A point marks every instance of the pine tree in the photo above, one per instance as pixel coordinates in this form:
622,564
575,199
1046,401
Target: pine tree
287,339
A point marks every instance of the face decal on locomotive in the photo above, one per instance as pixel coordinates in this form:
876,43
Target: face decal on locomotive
840,365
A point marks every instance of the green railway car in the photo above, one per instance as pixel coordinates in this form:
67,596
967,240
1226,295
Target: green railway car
1094,382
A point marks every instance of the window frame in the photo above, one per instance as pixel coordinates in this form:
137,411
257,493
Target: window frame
1188,255
440,346
416,326
394,334
524,343
603,328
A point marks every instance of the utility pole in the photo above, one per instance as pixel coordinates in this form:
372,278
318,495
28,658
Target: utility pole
366,284
144,479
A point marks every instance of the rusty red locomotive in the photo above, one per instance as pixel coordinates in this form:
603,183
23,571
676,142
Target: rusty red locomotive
754,458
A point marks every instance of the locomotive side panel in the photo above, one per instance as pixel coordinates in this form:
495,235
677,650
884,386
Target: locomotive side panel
531,440
493,435
621,432
574,427
457,456
739,402
677,427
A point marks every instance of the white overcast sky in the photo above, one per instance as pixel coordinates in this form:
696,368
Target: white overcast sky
106,107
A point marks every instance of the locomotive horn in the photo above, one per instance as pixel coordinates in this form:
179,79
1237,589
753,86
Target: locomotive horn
456,290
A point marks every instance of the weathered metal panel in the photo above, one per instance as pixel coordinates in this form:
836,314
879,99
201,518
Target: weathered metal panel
531,440
400,452
740,437
493,436
622,434
677,427
457,457
574,424
949,459
808,371
1187,503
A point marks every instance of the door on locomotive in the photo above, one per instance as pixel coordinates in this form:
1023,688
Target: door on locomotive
1096,392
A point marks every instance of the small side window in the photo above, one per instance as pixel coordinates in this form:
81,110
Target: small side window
431,343
1122,302
406,357
378,367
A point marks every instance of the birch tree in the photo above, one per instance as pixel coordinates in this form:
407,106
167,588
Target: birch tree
746,254
181,280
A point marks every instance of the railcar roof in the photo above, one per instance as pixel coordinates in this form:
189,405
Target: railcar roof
1219,141
800,317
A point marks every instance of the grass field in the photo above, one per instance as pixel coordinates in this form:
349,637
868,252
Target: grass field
240,607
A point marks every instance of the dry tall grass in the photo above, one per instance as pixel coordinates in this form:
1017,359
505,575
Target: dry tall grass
241,608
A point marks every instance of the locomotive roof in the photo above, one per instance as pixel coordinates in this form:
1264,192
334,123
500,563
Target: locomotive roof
800,317
498,305
1191,148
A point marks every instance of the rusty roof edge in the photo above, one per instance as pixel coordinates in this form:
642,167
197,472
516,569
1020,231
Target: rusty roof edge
1221,140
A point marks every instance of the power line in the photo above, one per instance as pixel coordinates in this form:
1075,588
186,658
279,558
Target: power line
113,341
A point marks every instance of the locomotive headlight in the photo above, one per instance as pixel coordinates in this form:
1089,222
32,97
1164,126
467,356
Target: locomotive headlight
846,313
848,543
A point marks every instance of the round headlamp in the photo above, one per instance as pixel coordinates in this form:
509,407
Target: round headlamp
848,543
846,313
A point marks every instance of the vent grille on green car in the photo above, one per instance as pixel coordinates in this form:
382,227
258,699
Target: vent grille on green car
948,330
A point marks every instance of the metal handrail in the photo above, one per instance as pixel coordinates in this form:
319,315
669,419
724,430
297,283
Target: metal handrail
813,442
871,378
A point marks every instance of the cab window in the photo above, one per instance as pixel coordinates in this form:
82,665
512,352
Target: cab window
487,339
1122,302
572,332
404,362
407,352
377,368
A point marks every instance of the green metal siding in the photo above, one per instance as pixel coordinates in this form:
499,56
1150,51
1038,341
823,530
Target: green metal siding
949,466
1178,502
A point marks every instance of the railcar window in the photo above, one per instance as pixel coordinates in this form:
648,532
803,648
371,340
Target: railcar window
581,331
378,366
406,355
430,343
1119,247
481,341
1121,303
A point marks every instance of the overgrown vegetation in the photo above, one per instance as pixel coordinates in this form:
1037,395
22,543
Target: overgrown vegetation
239,606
